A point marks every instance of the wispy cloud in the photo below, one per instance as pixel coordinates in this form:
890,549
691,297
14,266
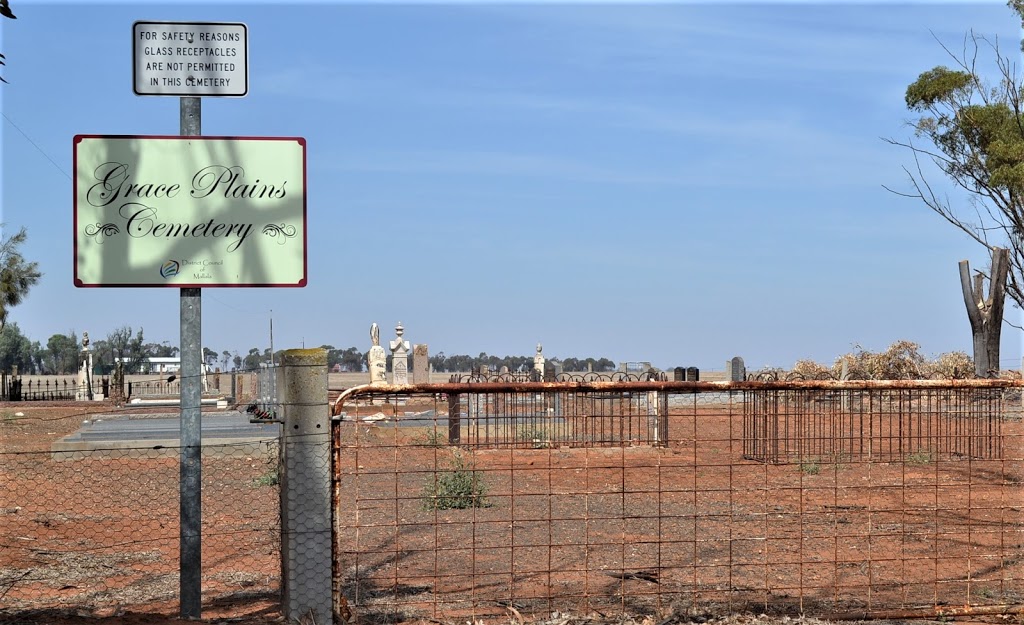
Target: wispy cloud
749,39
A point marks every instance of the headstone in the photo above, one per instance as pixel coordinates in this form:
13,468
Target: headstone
735,370
484,370
420,364
503,370
399,358
692,374
679,374
538,361
376,359
85,388
550,374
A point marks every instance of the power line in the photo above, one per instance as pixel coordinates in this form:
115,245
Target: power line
36,146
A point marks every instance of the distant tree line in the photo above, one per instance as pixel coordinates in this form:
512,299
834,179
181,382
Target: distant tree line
61,355
461,362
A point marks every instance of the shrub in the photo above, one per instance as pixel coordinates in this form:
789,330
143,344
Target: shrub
900,361
951,365
457,488
537,436
810,466
432,438
810,370
271,478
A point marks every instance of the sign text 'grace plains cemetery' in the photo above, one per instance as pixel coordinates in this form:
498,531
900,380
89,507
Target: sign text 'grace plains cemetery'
190,211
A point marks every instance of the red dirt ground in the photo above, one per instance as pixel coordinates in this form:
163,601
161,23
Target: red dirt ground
95,541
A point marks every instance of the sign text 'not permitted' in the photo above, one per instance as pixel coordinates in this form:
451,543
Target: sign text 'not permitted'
190,59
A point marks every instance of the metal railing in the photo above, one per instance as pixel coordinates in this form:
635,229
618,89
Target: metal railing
16,388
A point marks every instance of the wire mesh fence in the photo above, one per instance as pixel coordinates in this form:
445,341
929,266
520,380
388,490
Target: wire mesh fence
464,500
92,524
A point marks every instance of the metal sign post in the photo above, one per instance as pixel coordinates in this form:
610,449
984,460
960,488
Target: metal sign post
208,214
191,479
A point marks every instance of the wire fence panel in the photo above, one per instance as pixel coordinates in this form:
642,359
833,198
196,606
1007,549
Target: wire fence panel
788,425
96,529
655,498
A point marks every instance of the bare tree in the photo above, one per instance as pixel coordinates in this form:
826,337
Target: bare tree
986,313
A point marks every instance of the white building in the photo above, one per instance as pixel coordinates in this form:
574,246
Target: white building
164,364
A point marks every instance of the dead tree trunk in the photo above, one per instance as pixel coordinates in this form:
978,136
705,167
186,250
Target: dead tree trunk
986,314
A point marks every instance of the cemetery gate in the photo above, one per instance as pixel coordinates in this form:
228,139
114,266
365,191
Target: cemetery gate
489,498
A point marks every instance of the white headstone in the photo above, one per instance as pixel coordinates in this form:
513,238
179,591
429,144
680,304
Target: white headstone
377,360
399,357
85,387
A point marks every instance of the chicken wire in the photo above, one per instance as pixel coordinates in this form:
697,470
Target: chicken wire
95,528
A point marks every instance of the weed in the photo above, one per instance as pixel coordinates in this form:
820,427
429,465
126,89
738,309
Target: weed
271,478
840,461
431,438
272,474
457,488
11,418
810,466
922,456
539,437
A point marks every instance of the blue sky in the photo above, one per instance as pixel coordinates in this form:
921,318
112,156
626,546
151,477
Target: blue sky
672,182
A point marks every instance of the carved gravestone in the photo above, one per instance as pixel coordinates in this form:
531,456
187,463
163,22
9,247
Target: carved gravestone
420,364
399,358
85,380
679,374
376,359
692,374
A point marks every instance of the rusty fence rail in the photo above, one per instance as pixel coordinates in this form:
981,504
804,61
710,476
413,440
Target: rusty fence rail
468,499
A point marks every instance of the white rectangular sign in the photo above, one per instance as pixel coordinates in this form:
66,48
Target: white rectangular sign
190,59
189,212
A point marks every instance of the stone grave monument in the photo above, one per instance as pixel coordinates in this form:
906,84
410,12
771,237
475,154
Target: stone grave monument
85,385
399,358
538,364
377,360
735,370
420,364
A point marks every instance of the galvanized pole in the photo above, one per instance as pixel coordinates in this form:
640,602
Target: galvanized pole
190,568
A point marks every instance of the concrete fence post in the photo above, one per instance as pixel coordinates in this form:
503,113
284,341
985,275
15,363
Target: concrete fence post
661,435
305,486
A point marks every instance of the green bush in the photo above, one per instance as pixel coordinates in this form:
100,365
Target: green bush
537,436
922,456
457,488
810,466
432,438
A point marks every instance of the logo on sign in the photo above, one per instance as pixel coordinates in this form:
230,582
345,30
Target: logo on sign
170,269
